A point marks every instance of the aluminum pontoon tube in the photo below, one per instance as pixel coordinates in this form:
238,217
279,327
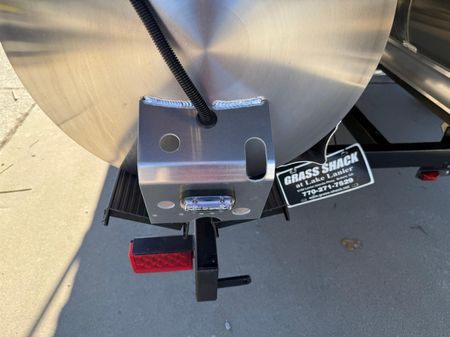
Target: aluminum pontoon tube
87,63
418,51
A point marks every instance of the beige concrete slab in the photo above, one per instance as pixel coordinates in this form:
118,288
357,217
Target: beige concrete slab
8,78
15,102
49,189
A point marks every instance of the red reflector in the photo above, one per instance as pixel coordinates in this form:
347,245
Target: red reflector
429,176
160,262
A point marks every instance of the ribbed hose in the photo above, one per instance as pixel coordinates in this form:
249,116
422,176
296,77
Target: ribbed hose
144,10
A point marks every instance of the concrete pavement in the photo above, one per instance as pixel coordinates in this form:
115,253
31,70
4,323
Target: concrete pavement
49,190
15,102
63,274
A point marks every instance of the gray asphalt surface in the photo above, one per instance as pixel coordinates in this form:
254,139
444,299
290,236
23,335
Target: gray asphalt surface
305,283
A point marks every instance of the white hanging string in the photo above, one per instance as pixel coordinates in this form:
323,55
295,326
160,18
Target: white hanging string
325,154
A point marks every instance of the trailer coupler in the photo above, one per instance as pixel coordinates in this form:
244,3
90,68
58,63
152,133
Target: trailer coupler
177,253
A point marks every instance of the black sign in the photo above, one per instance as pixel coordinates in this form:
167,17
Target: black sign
344,171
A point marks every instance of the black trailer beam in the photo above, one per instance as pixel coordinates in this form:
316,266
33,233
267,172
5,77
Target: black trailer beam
436,155
362,129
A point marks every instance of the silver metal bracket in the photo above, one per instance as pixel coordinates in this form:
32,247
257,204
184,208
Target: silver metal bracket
187,171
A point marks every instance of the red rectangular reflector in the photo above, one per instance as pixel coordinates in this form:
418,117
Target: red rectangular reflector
160,262
429,175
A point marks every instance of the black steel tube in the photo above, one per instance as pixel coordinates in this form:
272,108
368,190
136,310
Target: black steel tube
144,10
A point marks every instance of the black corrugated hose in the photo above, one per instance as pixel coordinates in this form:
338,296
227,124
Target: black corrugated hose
144,10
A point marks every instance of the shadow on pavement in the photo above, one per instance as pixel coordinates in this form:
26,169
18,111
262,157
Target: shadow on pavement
304,281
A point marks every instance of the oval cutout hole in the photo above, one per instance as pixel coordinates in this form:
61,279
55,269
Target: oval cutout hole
256,158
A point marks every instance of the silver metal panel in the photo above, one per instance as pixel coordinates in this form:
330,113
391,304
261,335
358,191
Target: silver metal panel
87,63
429,29
400,28
421,73
423,26
203,162
419,49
